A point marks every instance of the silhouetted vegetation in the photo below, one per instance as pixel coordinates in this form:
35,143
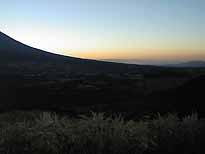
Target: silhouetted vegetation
49,133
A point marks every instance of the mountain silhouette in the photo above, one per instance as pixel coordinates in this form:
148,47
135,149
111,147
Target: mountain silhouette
14,51
18,55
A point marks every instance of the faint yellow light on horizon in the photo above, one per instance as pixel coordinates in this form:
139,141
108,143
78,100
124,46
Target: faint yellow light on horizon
143,54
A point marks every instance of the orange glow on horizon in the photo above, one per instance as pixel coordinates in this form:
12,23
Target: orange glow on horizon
143,54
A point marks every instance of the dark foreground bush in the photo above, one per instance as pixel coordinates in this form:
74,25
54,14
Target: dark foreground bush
47,133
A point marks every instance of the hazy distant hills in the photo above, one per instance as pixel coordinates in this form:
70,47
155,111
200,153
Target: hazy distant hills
194,64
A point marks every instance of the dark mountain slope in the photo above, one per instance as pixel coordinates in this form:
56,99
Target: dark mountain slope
184,99
20,56
191,95
14,51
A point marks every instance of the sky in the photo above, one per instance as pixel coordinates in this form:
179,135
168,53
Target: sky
149,30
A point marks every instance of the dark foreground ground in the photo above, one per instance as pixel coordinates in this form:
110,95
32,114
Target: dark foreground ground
131,95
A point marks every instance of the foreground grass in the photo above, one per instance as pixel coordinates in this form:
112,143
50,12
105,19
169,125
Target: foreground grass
47,133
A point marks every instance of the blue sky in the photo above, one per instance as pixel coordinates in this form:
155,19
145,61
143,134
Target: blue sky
137,29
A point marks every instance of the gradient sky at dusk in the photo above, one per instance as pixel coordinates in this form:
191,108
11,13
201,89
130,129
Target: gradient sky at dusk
101,29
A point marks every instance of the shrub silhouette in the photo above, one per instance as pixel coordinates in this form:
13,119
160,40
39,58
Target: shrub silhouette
49,133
